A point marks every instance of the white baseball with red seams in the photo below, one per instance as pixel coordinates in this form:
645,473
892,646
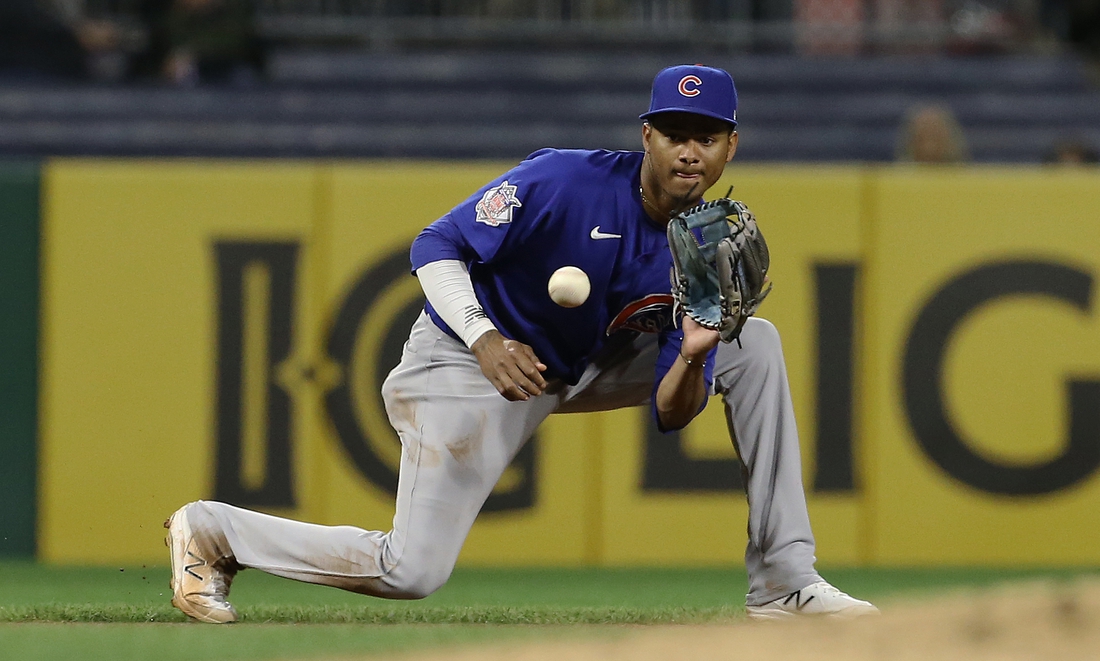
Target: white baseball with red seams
569,286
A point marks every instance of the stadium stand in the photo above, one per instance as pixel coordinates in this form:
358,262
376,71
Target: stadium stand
452,105
342,98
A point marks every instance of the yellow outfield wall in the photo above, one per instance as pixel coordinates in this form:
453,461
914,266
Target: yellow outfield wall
220,329
983,364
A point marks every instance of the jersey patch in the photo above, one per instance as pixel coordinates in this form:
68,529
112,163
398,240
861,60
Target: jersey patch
651,314
495,207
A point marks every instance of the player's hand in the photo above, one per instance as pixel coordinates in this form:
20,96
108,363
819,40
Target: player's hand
510,365
698,340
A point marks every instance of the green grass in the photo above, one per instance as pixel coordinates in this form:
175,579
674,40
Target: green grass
122,614
188,642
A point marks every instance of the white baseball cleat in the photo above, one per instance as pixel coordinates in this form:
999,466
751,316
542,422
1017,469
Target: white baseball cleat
200,583
818,599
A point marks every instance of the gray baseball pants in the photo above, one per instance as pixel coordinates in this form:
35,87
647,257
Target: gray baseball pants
458,435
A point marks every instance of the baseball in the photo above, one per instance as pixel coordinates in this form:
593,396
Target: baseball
569,286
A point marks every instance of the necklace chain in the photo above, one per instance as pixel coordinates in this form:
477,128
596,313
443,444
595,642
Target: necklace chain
645,201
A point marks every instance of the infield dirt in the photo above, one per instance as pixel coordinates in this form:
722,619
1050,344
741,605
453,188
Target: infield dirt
1030,621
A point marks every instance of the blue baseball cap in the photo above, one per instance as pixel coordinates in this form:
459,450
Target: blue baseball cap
696,89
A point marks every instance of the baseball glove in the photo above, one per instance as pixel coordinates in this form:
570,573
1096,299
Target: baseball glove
720,265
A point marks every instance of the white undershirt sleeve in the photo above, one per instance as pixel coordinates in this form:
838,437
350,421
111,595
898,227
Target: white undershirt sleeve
446,284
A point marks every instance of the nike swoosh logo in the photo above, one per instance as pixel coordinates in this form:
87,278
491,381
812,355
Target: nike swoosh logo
597,234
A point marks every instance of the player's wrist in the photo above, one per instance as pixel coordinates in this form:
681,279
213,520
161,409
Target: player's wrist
692,361
482,339
476,330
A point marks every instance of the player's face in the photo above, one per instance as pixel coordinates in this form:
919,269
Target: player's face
687,152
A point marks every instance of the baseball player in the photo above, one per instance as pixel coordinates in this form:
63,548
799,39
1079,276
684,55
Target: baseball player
492,355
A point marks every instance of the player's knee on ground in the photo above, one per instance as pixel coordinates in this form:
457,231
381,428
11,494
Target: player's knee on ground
416,583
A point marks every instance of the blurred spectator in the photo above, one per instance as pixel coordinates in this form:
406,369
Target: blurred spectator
1071,151
51,39
908,26
931,134
207,41
986,26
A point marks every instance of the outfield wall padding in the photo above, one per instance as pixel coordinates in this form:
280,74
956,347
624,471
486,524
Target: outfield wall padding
18,356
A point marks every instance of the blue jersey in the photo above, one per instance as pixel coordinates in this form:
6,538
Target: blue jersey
563,208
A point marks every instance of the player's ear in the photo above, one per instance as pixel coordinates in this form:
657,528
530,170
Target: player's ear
647,131
732,149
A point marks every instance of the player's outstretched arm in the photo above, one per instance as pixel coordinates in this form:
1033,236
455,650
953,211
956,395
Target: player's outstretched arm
510,365
683,387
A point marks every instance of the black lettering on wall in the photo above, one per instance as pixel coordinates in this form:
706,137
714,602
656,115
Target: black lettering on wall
256,284
922,379
355,311
667,467
836,288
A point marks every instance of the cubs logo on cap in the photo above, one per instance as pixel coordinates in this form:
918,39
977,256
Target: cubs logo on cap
689,85
696,89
